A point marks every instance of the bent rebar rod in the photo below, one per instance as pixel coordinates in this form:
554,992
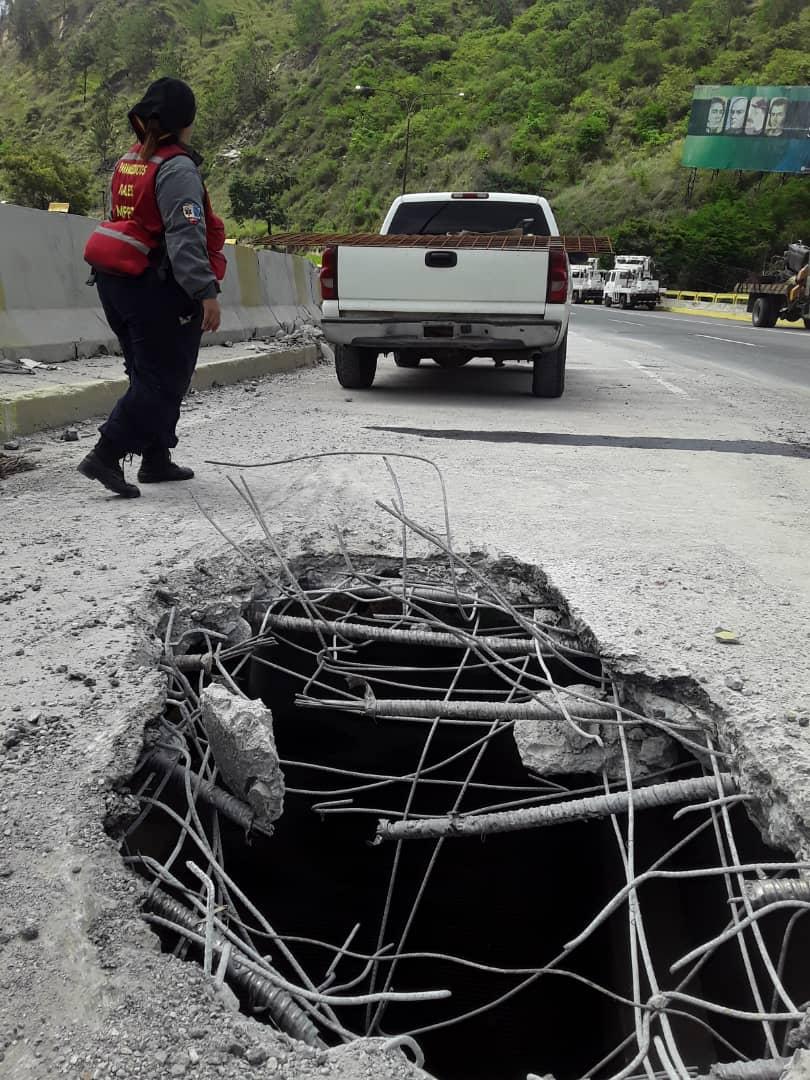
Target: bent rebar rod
503,646
232,808
287,1014
535,817
487,711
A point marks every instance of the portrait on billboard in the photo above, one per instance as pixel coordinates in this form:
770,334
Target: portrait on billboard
757,115
749,128
777,115
735,120
716,116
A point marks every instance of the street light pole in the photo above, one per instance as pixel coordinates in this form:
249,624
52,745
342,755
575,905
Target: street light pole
412,105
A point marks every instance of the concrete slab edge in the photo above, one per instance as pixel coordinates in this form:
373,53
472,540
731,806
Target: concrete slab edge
50,406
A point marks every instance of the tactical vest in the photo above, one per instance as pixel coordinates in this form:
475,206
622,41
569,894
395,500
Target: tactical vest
126,243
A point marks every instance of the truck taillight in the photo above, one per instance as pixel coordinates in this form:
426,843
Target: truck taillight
329,274
557,291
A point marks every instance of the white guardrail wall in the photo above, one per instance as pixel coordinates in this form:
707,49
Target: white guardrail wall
48,312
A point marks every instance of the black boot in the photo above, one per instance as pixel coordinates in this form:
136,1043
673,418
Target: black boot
157,467
103,463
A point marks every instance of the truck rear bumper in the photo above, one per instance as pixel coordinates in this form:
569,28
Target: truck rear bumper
480,338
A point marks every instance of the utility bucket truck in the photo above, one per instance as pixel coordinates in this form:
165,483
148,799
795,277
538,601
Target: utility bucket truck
632,283
588,282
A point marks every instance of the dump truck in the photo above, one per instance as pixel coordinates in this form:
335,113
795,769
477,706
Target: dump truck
587,282
632,283
782,291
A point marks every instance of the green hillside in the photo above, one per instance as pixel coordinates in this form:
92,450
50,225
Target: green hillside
583,100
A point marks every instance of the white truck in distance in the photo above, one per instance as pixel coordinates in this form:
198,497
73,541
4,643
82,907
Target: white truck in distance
631,283
587,282
450,304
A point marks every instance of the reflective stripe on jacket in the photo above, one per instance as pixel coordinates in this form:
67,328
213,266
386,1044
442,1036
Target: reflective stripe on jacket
127,242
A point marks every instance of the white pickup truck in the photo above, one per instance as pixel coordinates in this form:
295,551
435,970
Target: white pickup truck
437,292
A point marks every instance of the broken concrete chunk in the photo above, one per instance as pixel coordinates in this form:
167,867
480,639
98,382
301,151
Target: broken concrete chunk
224,618
550,746
240,732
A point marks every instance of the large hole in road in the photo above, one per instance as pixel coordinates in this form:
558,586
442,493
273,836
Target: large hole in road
408,719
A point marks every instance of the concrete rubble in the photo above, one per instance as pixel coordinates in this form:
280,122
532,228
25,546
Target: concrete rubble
552,747
240,732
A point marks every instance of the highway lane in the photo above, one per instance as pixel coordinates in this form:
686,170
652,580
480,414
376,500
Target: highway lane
776,355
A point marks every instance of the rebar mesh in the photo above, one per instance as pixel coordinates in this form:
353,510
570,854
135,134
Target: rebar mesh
324,628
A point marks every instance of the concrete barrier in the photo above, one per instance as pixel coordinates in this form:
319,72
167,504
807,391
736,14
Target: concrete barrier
47,311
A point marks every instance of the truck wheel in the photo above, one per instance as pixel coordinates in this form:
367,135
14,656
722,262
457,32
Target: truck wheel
355,368
548,371
607,301
764,312
403,358
451,360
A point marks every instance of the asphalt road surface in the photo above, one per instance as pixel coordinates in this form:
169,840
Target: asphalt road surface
778,354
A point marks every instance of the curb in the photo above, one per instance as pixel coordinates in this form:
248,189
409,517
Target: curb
26,411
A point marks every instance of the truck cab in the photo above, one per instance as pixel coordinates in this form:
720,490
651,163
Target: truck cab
631,283
587,282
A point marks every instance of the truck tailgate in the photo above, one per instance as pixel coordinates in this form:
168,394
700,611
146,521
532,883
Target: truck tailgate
408,281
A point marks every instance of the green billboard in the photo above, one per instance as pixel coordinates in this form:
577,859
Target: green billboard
756,128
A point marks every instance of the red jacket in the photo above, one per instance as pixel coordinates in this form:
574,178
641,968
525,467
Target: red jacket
125,243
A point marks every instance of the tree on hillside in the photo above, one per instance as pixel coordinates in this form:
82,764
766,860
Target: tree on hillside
29,26
172,60
81,58
139,36
244,92
310,21
503,12
256,196
105,136
37,175
200,19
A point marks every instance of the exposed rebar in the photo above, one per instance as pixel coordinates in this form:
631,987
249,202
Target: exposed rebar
534,817
228,805
414,638
762,1069
282,1008
762,893
490,711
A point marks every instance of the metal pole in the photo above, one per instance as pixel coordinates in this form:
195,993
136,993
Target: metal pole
411,107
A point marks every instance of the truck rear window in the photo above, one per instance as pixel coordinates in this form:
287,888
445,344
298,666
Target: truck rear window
468,215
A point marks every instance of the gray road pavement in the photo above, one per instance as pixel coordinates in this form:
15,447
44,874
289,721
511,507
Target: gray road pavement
775,355
667,493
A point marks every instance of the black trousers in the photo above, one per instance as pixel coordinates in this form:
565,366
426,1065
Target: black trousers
159,327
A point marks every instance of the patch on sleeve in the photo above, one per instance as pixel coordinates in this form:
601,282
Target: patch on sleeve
193,212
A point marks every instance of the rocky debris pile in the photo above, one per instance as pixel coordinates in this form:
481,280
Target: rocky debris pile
10,464
288,336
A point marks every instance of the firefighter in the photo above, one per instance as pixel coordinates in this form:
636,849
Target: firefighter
157,263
